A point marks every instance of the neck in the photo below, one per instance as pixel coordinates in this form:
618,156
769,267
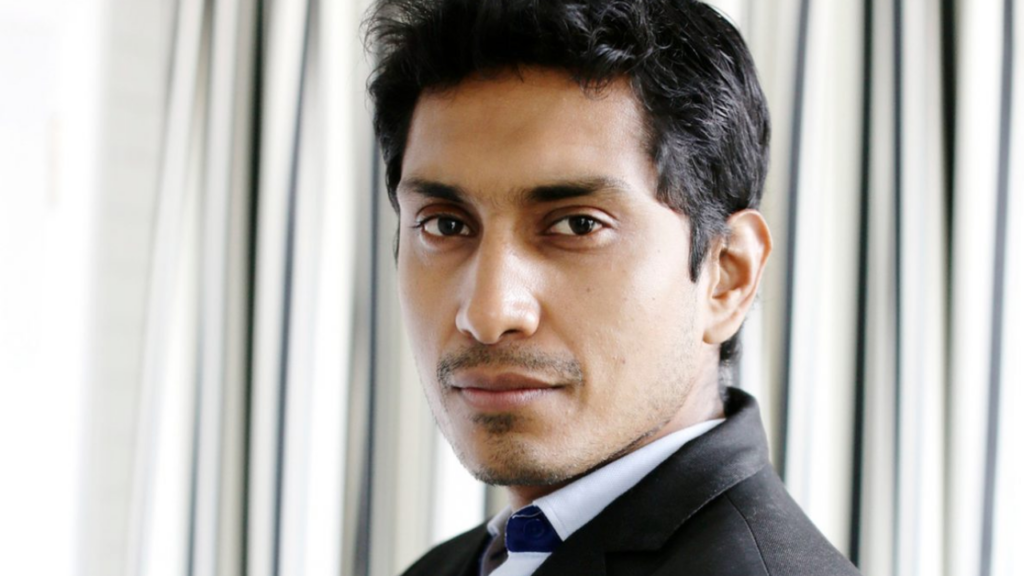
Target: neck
700,407
523,496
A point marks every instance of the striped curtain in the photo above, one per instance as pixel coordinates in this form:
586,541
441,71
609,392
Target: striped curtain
280,428
255,360
882,343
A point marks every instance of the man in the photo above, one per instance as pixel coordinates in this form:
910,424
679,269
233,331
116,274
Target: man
576,183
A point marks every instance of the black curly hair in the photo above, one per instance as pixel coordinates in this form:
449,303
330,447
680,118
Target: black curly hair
707,123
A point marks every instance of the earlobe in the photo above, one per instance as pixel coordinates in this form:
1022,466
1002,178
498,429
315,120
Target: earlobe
737,263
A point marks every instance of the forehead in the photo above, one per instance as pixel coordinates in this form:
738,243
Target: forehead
516,130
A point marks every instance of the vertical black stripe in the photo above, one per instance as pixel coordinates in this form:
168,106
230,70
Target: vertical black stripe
898,271
998,295
949,100
791,230
949,103
256,141
863,256
286,304
487,502
362,561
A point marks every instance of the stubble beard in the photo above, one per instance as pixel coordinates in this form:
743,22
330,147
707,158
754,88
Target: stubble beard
504,457
512,461
495,452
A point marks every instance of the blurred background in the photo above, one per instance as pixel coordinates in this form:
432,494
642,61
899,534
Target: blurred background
202,366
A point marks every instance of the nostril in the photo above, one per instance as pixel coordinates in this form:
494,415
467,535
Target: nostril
492,322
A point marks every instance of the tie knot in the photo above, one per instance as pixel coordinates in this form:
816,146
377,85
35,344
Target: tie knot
529,530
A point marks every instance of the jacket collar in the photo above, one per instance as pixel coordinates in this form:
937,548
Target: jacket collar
648,514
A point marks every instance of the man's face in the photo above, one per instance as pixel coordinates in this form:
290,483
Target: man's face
552,317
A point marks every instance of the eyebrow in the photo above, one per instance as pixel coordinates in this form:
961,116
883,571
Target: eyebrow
569,189
543,193
431,189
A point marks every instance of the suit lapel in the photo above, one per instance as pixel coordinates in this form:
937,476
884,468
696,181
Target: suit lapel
477,544
647,515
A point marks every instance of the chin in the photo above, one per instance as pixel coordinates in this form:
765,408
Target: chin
519,475
506,462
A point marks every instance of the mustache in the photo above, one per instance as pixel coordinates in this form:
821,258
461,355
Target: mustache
565,369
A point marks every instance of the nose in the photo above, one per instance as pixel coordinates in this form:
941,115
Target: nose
499,302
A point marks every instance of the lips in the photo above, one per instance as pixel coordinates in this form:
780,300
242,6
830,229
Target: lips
501,393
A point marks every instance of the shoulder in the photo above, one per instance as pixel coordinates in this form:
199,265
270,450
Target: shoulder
456,557
753,528
786,540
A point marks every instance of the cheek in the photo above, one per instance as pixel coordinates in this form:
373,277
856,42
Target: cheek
630,316
632,292
422,302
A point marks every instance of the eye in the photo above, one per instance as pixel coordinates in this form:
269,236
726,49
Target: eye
444,226
576,226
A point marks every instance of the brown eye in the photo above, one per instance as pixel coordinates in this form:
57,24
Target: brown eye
581,225
575,226
445,226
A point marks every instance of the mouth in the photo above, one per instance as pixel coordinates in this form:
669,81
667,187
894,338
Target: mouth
503,392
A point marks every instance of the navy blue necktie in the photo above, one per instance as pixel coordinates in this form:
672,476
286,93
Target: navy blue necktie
528,530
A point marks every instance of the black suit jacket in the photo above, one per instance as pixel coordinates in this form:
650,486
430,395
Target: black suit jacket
715,507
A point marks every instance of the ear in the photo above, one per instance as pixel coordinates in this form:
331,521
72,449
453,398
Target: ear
735,265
